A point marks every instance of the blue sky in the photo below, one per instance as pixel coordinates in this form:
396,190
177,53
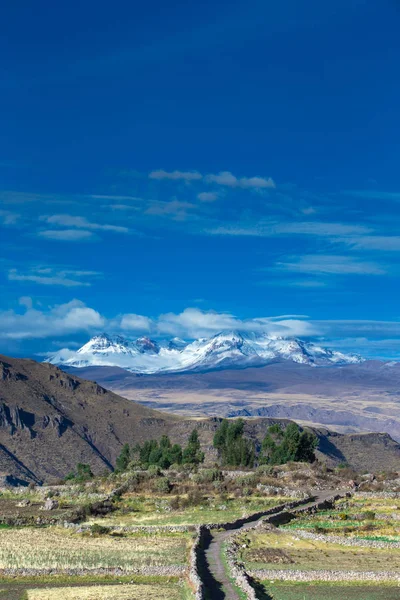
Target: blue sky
175,168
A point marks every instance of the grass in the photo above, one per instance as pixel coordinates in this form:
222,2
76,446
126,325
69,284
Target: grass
238,590
147,510
59,549
352,518
330,591
61,586
285,551
109,592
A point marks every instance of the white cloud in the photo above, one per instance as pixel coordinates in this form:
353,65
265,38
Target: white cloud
25,301
308,228
176,209
61,320
8,218
82,223
176,175
239,230
324,264
133,322
75,318
208,196
373,242
320,228
67,235
113,197
50,276
121,207
226,178
193,323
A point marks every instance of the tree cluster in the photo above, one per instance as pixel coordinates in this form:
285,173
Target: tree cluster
161,453
83,473
281,446
234,449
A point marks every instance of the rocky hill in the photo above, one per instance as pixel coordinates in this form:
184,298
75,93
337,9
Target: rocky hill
51,420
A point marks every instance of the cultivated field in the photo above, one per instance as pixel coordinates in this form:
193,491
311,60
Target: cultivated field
286,551
109,592
318,591
147,510
350,552
362,517
58,549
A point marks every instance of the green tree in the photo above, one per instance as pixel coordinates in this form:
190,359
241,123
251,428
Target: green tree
280,447
146,450
220,435
306,448
83,473
234,449
123,459
175,454
165,443
192,454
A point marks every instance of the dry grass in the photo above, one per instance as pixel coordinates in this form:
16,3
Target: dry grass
55,548
142,510
107,592
285,551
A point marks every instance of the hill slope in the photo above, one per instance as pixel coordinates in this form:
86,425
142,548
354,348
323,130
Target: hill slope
51,420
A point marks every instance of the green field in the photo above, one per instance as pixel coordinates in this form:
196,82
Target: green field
374,519
282,550
146,510
324,591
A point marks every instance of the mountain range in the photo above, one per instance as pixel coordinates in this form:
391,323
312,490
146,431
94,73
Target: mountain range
231,349
246,374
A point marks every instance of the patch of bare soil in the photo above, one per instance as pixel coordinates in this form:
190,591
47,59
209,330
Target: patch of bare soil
270,555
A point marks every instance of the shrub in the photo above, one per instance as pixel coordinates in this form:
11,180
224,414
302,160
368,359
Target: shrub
208,476
265,469
343,516
123,459
97,529
154,471
163,485
369,515
175,503
194,498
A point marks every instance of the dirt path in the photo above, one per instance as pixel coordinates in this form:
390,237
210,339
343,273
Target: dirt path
217,581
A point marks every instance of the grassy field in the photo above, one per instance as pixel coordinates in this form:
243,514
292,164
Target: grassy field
109,592
60,549
58,587
324,591
282,550
147,510
374,519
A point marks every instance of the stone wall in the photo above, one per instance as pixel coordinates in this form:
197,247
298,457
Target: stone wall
278,516
336,539
194,575
325,575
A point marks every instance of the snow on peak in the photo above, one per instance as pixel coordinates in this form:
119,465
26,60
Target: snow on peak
227,349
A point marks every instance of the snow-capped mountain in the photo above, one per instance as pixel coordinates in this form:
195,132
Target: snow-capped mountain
224,350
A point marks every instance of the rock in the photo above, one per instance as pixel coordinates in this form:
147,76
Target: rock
24,502
50,504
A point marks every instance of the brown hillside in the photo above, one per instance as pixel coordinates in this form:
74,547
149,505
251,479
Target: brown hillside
51,420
